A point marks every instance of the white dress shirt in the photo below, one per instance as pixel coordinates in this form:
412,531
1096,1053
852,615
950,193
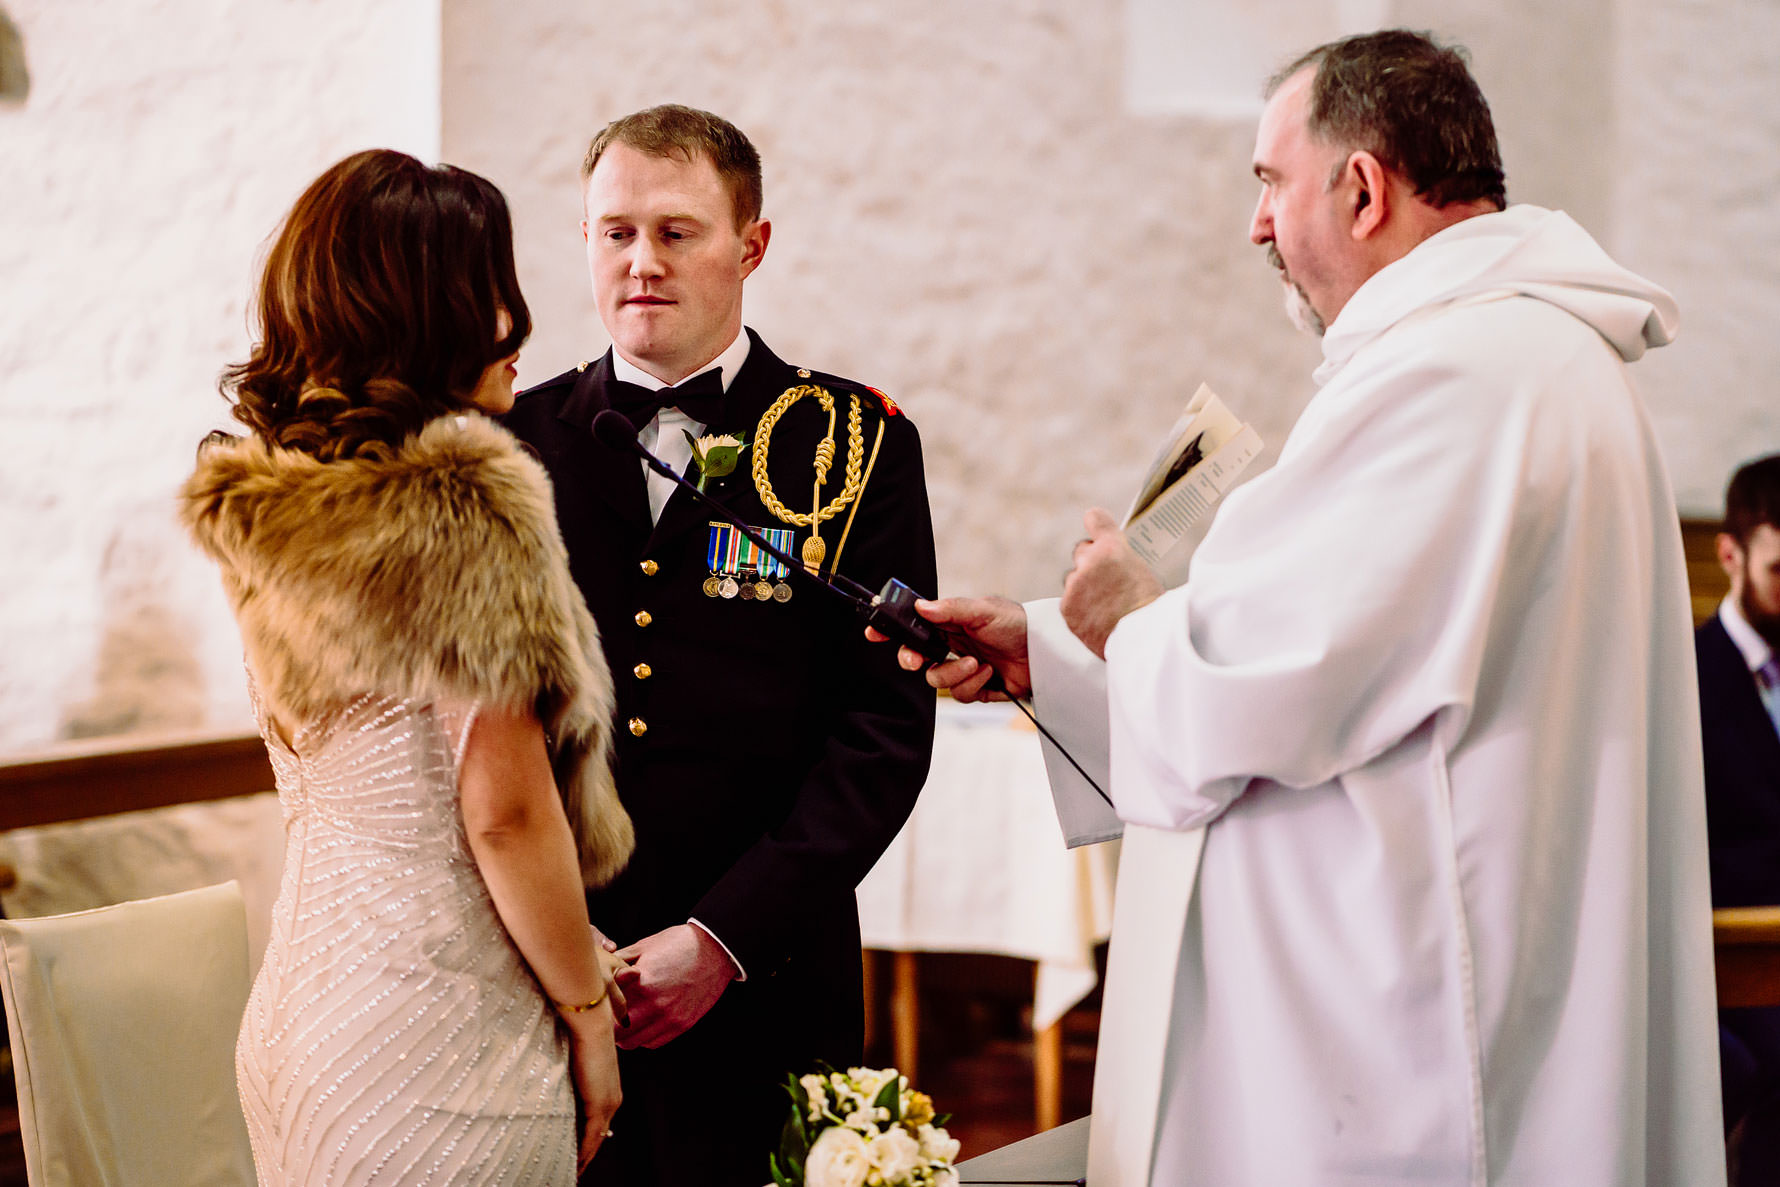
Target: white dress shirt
665,435
1756,653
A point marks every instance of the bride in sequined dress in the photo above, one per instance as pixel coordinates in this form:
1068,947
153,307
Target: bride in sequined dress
433,1006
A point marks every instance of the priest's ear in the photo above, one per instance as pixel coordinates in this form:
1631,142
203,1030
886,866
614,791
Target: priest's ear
1363,186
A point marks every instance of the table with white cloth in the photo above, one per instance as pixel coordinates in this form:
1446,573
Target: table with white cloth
981,867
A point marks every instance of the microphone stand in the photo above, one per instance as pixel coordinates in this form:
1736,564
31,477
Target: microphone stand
891,611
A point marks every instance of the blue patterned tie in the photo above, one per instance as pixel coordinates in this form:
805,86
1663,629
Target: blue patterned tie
1767,678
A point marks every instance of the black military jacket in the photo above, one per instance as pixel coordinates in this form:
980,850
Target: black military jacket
767,753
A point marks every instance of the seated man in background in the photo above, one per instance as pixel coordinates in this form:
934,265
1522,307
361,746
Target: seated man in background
1740,720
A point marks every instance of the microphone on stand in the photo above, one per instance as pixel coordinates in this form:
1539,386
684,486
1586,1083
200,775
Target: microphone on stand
890,611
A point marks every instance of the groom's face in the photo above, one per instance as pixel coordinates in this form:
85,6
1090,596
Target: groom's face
667,258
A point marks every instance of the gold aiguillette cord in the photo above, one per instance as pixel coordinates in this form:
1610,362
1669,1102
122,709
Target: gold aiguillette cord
814,550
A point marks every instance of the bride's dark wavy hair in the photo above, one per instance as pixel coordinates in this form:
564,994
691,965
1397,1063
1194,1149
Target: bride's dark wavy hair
379,307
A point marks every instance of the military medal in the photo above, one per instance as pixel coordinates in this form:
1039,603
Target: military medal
717,550
747,563
772,567
740,568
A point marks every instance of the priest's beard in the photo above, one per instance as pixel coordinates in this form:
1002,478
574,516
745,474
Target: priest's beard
1303,315
1765,621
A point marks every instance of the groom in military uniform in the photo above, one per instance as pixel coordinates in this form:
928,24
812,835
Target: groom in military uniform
765,751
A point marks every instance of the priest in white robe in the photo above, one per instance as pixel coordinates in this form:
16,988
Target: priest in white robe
1428,692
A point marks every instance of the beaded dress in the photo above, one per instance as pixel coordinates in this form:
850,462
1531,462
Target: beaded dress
394,1034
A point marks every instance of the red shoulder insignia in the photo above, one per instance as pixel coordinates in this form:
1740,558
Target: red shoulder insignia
890,408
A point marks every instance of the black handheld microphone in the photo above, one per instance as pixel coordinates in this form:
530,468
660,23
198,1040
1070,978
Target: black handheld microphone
890,611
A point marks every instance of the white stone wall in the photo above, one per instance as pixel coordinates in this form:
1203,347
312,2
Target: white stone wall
1697,150
157,148
967,214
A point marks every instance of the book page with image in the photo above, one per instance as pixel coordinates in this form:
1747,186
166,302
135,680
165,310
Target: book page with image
1203,454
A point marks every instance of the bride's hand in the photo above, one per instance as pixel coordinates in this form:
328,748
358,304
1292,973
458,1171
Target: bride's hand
593,1060
610,966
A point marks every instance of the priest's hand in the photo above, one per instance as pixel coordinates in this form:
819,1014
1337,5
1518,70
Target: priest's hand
1108,582
675,977
993,629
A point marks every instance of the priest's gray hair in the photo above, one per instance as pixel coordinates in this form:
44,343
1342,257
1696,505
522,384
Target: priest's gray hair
1412,103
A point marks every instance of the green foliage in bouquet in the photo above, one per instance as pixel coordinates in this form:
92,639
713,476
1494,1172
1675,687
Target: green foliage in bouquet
861,1128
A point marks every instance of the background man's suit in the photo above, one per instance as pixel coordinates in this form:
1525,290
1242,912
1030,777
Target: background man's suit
1742,774
1742,752
778,756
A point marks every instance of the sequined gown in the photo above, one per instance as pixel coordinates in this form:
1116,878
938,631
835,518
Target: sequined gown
394,1034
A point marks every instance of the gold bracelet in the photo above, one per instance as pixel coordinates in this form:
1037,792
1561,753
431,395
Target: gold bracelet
567,1008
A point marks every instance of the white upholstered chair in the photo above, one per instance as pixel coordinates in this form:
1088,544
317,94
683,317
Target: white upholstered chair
123,1024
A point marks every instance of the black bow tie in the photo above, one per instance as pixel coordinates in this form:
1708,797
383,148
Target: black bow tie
700,397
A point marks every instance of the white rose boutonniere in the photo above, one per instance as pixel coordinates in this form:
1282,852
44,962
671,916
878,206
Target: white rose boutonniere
715,456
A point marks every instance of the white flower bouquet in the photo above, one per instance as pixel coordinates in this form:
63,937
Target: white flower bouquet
862,1128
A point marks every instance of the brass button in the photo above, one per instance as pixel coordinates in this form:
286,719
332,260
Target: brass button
642,671
650,568
638,727
644,618
803,372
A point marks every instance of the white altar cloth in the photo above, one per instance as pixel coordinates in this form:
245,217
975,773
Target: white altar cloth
981,867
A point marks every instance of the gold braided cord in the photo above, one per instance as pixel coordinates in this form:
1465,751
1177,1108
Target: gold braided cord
824,452
763,433
847,528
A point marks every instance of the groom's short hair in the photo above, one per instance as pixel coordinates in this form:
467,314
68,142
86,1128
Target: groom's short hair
687,133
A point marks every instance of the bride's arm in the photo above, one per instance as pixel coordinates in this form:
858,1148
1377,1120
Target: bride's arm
520,838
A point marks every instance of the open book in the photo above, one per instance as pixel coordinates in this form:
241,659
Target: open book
1200,458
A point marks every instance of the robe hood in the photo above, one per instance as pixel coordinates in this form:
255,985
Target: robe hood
1523,250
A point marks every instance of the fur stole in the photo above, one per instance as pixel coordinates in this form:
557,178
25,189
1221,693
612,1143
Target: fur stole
436,573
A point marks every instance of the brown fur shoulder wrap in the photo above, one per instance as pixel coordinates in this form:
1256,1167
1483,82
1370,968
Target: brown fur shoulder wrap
436,573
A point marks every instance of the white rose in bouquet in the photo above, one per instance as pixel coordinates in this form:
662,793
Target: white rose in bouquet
816,1088
938,1145
871,1081
838,1159
894,1154
865,1119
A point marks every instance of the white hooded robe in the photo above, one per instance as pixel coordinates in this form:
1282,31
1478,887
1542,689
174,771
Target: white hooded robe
1429,692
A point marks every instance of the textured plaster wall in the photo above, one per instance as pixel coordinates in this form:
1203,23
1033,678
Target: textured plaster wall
1697,144
966,215
155,149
